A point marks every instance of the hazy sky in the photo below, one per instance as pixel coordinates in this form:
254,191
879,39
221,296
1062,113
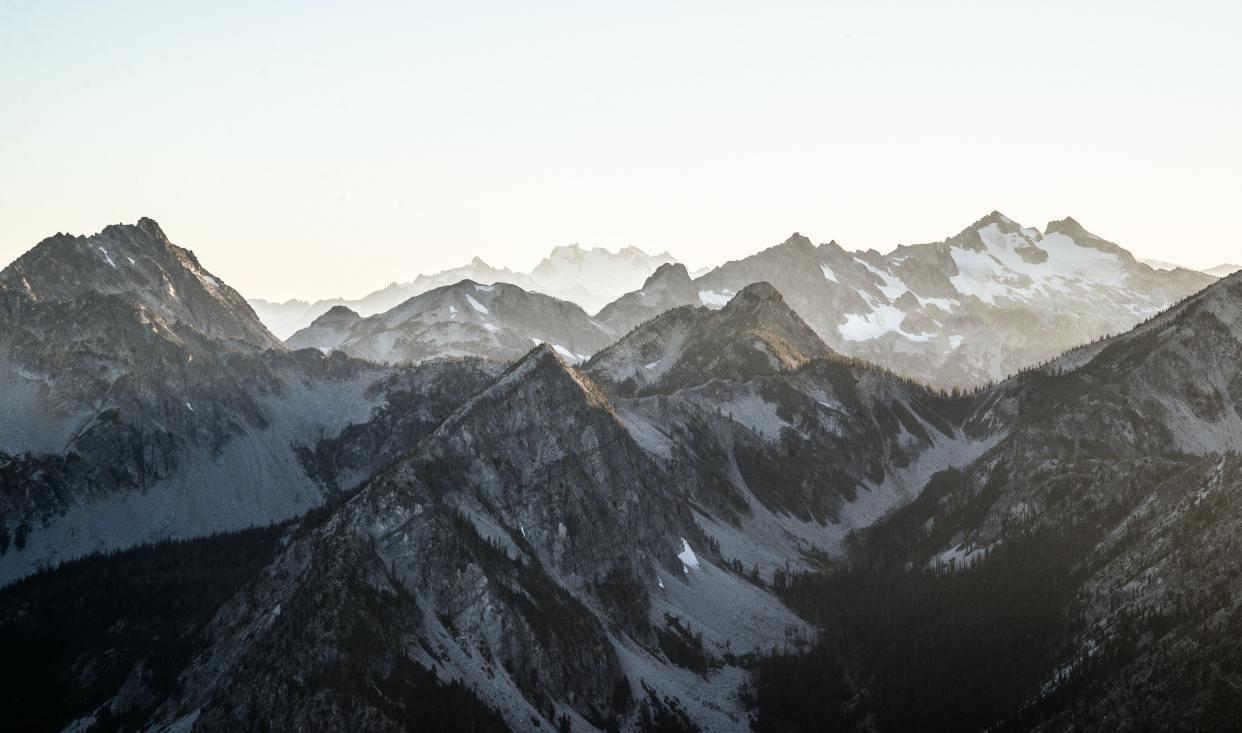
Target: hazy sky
330,151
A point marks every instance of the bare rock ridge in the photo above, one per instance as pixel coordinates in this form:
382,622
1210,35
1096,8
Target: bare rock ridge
936,312
612,520
939,311
467,318
137,263
144,400
756,333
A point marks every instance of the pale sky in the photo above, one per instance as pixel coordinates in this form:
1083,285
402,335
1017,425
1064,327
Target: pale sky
330,151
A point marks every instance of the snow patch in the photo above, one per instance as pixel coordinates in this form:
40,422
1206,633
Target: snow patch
715,298
475,304
881,320
688,559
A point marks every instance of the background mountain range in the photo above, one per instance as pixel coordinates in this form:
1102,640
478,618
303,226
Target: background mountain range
782,492
969,310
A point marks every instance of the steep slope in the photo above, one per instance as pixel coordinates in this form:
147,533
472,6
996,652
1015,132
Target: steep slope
144,400
139,265
1170,388
570,562
755,333
783,446
498,322
668,287
1085,567
974,308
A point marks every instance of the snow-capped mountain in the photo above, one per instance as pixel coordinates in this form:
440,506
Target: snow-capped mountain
1112,492
647,534
500,322
589,277
971,309
144,400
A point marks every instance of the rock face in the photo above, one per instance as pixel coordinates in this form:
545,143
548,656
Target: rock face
608,542
586,498
756,333
572,518
500,322
668,287
982,305
569,557
1170,388
136,265
144,400
1112,493
589,277
970,310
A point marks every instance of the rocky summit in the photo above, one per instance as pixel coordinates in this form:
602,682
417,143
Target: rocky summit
485,509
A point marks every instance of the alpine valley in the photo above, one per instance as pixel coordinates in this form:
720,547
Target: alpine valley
986,483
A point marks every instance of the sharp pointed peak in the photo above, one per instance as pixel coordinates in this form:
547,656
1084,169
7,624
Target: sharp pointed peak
545,363
994,217
797,239
151,228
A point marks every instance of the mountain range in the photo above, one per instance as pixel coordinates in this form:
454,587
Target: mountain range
966,311
590,277
718,504
144,400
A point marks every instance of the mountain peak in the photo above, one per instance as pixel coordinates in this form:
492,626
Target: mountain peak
755,334
339,313
152,229
1068,226
755,293
994,217
544,365
668,272
798,240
